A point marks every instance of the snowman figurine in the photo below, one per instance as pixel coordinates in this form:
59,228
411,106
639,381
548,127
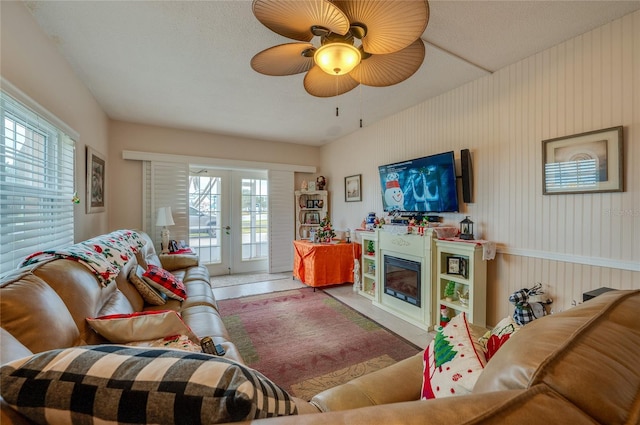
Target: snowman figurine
393,196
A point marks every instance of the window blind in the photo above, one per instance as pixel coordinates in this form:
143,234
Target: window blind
36,184
166,184
281,221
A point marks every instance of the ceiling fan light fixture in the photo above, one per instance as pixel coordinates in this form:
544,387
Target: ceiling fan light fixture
337,58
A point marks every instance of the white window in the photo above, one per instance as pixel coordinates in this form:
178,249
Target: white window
36,184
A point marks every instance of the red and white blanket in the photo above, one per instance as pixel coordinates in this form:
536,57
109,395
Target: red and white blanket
104,255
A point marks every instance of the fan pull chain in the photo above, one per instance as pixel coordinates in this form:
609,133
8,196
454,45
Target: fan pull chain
337,112
360,93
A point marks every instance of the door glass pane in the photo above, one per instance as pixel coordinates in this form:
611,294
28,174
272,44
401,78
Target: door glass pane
204,217
254,219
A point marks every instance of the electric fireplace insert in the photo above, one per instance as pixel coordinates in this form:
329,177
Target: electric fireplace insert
402,279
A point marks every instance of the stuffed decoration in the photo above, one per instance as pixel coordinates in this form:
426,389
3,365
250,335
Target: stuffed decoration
529,304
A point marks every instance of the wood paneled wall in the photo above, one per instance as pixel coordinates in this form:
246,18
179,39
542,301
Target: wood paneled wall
570,243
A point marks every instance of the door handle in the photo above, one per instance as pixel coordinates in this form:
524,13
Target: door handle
227,230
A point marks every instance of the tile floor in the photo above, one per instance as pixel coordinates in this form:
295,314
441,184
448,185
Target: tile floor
344,293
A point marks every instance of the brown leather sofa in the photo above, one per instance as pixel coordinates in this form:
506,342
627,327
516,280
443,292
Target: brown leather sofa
581,366
45,306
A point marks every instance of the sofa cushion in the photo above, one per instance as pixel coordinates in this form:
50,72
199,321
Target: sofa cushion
151,295
453,361
165,282
122,384
140,326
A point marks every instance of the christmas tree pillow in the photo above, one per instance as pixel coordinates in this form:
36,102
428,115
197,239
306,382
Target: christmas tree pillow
453,361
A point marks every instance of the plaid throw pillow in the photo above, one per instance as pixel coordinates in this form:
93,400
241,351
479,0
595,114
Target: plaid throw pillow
165,282
126,385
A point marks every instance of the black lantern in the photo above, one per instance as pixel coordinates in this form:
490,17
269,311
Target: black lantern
466,229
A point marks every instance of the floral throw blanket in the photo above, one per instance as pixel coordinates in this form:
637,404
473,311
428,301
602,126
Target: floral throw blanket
104,255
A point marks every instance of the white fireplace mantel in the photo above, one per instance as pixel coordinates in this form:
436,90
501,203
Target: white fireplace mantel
394,241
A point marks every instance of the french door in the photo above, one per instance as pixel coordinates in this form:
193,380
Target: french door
229,220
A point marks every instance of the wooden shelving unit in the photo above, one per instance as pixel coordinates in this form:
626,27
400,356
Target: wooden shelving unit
369,267
471,276
310,206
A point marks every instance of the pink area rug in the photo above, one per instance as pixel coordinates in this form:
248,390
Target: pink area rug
307,341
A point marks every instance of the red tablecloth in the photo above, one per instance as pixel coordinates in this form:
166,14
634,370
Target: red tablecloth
322,264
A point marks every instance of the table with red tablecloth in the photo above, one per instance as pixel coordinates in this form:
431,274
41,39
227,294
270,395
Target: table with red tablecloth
322,264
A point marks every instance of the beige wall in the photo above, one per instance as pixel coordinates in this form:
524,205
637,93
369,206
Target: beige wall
126,203
588,83
31,62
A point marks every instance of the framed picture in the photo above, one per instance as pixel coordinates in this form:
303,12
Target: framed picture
457,265
96,168
353,188
310,203
583,163
312,218
453,265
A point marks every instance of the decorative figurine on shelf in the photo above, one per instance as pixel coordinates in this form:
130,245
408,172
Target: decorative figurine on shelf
371,221
450,290
444,315
371,249
321,182
325,230
304,186
356,275
466,229
463,297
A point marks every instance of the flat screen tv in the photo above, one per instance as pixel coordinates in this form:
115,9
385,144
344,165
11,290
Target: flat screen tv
420,186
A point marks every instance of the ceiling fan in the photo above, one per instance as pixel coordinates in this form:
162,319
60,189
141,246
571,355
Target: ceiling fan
371,42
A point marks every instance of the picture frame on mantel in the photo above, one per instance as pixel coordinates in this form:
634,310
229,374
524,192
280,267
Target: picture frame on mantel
95,182
353,188
589,162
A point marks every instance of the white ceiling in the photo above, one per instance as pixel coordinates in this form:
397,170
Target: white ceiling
185,64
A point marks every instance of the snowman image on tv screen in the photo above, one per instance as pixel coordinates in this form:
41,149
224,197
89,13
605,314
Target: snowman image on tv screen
393,196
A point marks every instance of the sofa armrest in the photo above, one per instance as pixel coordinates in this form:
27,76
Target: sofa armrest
534,406
178,261
399,382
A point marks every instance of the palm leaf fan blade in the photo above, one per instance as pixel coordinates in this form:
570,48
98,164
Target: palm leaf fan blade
387,70
391,25
284,59
320,84
294,18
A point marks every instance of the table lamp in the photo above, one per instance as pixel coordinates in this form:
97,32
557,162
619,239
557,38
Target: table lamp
165,219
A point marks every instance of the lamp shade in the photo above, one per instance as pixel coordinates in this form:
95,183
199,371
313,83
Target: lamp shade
337,58
164,217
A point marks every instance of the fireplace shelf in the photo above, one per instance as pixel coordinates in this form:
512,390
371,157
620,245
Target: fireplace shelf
461,263
369,265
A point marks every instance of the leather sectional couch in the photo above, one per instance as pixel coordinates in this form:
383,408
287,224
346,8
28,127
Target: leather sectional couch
579,366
